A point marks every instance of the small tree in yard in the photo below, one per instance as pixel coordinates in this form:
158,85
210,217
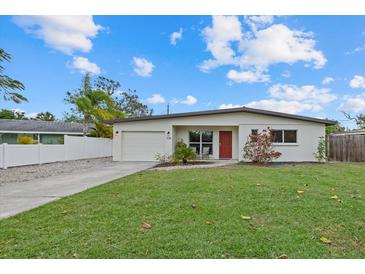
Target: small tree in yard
258,148
183,152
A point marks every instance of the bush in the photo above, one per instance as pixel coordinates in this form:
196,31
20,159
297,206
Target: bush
163,158
321,154
183,152
26,140
258,148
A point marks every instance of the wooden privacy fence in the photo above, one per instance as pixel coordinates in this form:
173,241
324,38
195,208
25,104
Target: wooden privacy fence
346,147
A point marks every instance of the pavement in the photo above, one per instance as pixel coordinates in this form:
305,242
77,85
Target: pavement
212,164
21,196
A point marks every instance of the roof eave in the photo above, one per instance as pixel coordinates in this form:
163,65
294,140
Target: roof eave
223,111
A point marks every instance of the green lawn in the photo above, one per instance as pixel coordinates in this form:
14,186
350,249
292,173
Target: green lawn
106,222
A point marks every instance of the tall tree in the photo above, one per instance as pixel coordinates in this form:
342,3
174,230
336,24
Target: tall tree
335,128
12,114
107,85
45,116
8,86
130,104
358,119
71,117
126,101
95,106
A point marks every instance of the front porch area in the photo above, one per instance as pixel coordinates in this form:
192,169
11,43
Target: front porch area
209,142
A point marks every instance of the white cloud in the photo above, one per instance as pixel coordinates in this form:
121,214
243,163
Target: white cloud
357,82
189,100
259,21
294,99
174,101
156,99
307,93
279,44
224,30
63,33
83,65
259,49
357,49
30,115
247,76
175,36
143,67
353,103
224,106
291,107
327,80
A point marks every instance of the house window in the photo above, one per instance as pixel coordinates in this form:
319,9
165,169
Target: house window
201,142
284,136
254,131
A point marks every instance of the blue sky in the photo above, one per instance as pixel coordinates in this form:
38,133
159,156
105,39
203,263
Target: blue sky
308,65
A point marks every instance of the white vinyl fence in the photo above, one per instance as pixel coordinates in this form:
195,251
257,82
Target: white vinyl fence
74,148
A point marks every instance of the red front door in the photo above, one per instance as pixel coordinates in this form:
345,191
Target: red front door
225,144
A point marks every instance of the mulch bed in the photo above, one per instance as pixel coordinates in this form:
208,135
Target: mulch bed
190,163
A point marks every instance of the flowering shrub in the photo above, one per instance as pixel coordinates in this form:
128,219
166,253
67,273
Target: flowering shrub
163,158
258,148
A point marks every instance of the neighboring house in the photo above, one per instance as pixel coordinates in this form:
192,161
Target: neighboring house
216,134
44,132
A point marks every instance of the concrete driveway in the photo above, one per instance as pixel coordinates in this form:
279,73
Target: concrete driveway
18,197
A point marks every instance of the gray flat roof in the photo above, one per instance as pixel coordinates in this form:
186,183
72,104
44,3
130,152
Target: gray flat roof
39,126
223,111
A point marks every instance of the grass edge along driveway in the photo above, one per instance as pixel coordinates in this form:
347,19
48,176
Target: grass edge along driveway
298,211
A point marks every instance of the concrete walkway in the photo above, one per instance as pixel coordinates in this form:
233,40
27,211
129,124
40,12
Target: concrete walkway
212,164
22,196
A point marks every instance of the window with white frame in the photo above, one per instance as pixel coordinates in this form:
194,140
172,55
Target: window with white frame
202,142
284,136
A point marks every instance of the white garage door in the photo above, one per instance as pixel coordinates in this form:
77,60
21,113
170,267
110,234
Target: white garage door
142,145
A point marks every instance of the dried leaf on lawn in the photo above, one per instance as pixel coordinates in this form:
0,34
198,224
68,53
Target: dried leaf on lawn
284,256
146,226
325,240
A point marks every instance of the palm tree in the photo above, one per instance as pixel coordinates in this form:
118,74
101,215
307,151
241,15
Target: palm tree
9,86
95,105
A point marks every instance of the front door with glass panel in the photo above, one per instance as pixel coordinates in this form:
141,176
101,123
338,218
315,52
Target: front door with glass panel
202,143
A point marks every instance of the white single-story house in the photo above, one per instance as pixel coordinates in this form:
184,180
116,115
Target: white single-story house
216,134
44,132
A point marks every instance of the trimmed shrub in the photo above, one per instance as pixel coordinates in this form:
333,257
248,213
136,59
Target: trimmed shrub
183,152
26,140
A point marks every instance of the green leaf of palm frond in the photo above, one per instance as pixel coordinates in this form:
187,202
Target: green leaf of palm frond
15,97
103,114
4,56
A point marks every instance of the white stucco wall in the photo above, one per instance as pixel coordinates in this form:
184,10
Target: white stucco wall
240,124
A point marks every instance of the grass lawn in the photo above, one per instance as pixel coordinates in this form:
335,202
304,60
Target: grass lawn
106,221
